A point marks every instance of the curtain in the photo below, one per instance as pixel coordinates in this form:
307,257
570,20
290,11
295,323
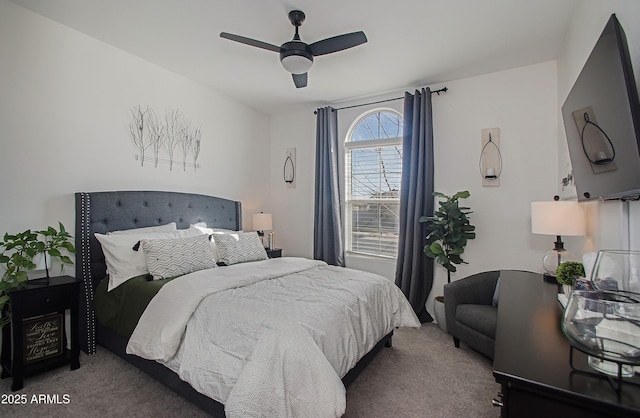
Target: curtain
327,225
414,270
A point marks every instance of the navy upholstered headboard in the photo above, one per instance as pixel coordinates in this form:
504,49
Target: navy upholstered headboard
110,211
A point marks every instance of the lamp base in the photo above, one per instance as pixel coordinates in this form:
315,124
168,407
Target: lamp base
553,258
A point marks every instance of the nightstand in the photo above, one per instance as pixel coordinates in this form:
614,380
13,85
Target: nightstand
274,252
36,335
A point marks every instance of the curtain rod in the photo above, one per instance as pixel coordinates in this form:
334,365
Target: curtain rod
442,90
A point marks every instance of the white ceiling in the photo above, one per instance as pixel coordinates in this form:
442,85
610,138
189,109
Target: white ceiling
411,43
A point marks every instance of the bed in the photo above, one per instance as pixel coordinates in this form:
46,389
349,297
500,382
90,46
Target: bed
103,212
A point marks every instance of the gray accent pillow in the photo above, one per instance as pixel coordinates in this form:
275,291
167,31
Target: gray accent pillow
175,257
239,248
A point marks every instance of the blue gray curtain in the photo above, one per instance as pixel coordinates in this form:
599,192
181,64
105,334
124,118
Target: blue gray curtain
414,270
327,224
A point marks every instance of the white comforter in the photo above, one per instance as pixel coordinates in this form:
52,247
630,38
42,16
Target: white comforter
270,338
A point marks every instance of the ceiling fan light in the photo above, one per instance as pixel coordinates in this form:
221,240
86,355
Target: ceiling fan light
296,64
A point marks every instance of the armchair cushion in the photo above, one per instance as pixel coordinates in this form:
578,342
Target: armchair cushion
482,318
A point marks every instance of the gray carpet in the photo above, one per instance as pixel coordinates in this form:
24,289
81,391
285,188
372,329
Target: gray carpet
423,375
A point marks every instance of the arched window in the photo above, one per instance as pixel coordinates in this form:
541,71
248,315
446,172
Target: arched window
373,162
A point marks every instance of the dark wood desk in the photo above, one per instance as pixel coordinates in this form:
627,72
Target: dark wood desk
531,360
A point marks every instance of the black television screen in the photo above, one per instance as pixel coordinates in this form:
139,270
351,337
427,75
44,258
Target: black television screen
602,121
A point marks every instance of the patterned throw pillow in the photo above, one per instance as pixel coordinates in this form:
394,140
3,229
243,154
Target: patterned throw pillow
239,248
175,257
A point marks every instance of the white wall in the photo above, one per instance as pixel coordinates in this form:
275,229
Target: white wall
521,102
292,208
64,114
612,225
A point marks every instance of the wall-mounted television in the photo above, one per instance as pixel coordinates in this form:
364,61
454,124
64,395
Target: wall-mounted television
602,121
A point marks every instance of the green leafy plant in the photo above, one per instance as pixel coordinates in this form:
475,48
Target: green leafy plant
18,251
568,271
448,229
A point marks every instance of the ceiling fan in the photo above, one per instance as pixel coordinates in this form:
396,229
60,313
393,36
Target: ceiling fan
297,56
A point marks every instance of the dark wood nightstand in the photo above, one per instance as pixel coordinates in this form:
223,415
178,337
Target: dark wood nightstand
274,252
36,334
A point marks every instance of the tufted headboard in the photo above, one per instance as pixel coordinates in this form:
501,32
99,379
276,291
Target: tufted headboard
103,212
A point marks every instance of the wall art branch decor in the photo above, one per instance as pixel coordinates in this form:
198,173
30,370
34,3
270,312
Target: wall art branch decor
170,136
156,134
136,128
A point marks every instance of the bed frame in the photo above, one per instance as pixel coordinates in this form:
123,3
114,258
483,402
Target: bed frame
102,212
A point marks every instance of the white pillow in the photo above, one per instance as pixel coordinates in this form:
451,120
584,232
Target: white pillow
175,257
239,248
123,262
160,228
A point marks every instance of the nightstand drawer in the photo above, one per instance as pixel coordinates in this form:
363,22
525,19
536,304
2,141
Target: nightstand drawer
42,301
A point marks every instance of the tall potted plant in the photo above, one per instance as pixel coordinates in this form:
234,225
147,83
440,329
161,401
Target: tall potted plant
17,253
448,232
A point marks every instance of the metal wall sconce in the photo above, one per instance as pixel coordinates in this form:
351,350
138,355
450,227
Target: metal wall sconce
490,164
596,144
289,170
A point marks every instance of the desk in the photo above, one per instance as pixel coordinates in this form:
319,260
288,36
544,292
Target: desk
531,360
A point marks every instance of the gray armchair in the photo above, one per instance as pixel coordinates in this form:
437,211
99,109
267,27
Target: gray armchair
470,311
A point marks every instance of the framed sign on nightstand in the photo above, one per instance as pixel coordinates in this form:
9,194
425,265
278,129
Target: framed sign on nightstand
43,337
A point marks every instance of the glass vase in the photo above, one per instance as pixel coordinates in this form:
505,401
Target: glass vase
616,270
606,326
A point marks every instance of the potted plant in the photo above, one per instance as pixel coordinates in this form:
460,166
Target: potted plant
448,231
567,273
17,253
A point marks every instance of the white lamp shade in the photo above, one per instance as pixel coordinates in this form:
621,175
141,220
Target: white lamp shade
558,218
262,222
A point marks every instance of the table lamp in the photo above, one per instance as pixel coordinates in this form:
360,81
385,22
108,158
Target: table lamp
557,218
262,222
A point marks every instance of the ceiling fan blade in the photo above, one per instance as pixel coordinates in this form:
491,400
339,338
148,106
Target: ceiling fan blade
249,41
300,80
337,43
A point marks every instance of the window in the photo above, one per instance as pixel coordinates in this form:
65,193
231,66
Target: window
373,152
